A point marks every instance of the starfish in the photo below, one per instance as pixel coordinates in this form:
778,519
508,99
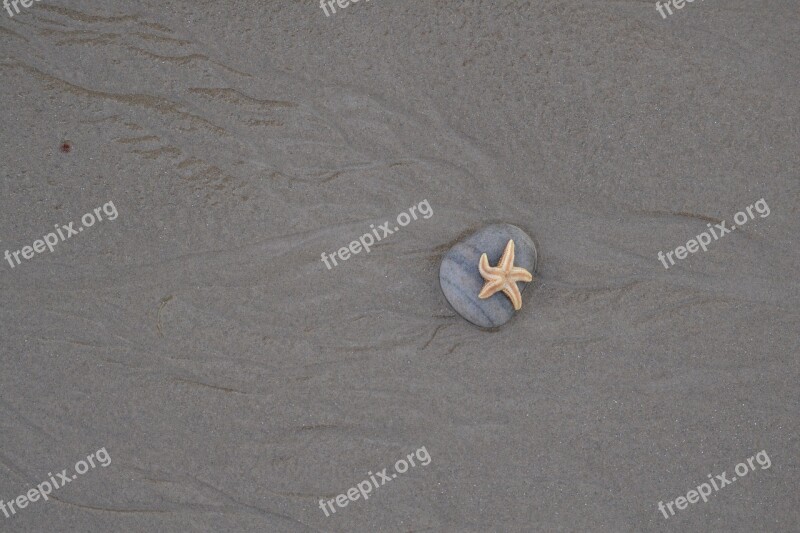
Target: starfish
503,277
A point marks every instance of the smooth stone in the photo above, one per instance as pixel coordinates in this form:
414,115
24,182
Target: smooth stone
461,281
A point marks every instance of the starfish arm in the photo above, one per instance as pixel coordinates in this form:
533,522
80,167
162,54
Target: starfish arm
507,260
512,291
489,273
493,275
483,266
490,288
520,274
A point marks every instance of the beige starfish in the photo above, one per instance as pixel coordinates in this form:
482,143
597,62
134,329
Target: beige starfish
503,277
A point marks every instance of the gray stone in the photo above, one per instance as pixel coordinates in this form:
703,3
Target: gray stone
461,281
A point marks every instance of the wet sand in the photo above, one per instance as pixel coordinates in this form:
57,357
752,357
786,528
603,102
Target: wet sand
235,381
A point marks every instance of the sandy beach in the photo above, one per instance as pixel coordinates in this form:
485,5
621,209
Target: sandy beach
194,336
